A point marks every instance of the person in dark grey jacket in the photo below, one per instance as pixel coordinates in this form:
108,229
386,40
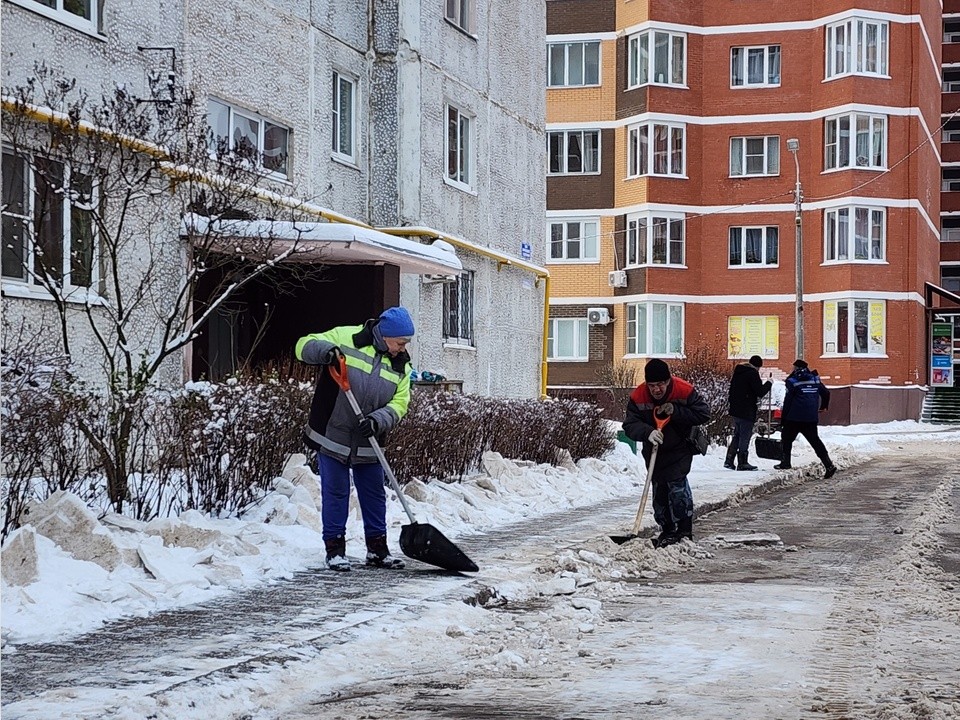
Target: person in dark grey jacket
745,390
806,398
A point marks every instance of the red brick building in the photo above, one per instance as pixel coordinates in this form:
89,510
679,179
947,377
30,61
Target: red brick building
671,188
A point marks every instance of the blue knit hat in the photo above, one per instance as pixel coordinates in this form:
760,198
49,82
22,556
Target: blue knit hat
395,322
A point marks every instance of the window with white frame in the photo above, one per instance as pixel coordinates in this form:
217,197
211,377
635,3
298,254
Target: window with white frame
951,32
655,328
460,13
574,240
753,335
573,64
344,114
857,47
950,229
657,57
458,310
656,149
655,239
855,140
49,228
855,327
950,179
754,156
249,136
951,131
573,152
459,149
754,246
951,81
81,14
755,66
568,339
855,234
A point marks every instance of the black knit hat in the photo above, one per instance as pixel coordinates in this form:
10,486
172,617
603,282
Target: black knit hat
801,364
656,371
756,361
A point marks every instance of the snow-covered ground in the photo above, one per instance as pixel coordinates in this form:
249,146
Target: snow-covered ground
194,558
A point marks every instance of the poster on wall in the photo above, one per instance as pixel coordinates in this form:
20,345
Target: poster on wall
753,335
941,354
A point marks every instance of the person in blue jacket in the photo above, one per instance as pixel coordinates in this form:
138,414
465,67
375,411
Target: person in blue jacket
806,398
378,366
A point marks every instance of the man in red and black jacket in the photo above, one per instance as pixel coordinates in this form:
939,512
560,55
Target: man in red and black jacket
677,400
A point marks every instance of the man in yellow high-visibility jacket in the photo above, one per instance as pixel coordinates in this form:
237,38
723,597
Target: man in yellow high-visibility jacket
378,367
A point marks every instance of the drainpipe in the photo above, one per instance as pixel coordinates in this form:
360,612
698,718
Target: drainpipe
502,259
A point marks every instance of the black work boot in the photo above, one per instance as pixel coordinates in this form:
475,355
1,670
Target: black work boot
830,470
731,452
743,464
667,536
685,529
378,554
337,554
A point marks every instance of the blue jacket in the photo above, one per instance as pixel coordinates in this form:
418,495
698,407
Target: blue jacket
805,397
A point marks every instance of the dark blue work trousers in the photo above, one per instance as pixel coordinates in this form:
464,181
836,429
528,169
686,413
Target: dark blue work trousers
335,494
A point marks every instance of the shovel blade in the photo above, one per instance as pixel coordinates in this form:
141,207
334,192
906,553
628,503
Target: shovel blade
621,539
425,543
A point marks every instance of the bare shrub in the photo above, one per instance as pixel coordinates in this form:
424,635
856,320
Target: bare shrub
444,435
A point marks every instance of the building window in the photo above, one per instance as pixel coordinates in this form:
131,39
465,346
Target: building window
656,149
753,335
568,339
655,329
458,310
49,230
658,58
950,179
249,137
754,246
755,66
574,240
950,278
949,229
81,14
573,64
755,156
867,150
951,32
574,152
655,240
951,81
855,234
857,47
460,13
854,327
951,131
343,120
459,148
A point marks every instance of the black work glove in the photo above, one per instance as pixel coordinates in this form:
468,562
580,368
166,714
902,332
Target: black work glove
368,427
331,357
665,410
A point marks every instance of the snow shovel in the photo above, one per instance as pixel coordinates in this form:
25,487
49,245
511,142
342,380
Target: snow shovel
635,532
420,541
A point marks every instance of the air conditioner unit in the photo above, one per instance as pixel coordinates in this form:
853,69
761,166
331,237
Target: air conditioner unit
598,316
617,278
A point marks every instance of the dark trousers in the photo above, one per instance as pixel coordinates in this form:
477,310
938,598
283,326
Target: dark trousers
742,430
335,496
672,504
788,433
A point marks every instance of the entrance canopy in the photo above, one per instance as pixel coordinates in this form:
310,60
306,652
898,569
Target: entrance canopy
327,242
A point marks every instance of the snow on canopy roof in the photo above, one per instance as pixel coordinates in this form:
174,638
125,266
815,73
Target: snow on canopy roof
334,243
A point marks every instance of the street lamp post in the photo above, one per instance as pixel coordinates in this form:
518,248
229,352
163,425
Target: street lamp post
793,145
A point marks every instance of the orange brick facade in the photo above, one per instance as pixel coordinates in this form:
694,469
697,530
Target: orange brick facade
709,198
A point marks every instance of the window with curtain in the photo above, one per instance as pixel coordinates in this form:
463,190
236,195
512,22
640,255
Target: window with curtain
573,64
855,140
655,239
656,149
573,152
854,327
568,339
249,137
755,156
656,57
49,225
754,246
857,47
855,234
755,66
460,13
655,329
574,240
